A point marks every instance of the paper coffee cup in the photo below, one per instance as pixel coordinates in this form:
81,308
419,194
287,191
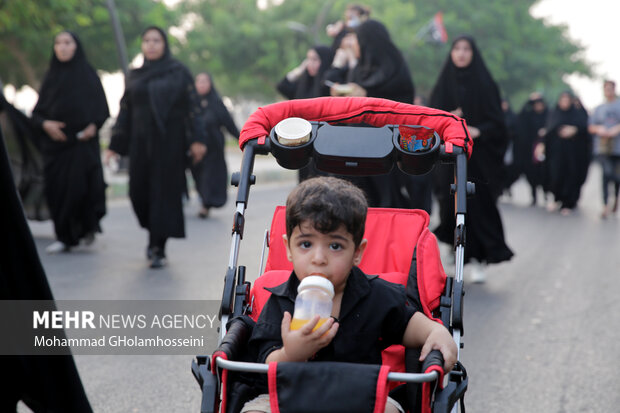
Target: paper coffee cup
293,131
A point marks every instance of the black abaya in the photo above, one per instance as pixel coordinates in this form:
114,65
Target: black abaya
158,121
211,173
26,160
473,90
566,156
383,72
530,123
74,187
307,87
43,383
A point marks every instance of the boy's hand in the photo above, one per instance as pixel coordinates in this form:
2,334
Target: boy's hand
440,339
300,345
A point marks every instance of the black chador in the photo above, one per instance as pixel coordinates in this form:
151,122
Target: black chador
473,90
383,72
74,187
43,383
157,123
211,173
308,86
567,159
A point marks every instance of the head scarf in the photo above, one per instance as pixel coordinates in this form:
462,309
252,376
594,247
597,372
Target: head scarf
165,78
313,86
71,92
381,70
474,91
212,94
471,88
571,116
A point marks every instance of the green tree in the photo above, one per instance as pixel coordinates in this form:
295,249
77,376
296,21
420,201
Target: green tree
248,49
27,29
522,53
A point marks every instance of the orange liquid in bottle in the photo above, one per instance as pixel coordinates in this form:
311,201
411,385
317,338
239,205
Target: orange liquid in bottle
297,323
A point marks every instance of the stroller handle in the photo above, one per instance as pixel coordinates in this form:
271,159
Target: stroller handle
356,110
264,368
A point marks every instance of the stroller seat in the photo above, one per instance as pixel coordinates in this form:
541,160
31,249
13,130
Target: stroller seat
401,249
394,235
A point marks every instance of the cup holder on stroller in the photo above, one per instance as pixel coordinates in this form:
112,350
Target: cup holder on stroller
417,148
295,150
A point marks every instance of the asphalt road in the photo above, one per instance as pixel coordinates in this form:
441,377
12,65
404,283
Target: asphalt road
540,335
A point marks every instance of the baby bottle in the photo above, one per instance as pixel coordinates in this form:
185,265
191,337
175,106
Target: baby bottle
314,296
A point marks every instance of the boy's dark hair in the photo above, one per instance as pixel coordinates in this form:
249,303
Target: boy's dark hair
327,203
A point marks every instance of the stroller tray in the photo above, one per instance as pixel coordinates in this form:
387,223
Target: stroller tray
360,150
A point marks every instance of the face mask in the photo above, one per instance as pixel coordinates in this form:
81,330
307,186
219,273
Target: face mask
353,21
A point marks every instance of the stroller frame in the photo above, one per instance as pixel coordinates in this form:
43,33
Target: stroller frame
236,292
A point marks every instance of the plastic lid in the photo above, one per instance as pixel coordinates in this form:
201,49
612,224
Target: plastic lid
293,129
316,281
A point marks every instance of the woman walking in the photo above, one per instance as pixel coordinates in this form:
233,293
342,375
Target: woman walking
70,110
566,148
465,87
211,173
158,126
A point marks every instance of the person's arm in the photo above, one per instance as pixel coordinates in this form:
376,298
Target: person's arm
301,344
287,88
430,335
121,131
228,122
52,128
614,130
195,128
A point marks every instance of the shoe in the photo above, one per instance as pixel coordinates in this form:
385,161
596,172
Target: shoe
565,212
552,206
88,238
203,213
158,257
158,262
605,212
56,247
478,274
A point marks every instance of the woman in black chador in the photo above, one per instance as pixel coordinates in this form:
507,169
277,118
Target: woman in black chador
465,87
567,151
308,81
158,125
532,122
211,173
71,109
369,64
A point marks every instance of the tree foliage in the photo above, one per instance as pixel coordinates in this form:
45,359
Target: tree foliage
248,49
28,27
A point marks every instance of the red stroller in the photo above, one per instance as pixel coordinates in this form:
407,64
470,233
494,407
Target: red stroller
401,249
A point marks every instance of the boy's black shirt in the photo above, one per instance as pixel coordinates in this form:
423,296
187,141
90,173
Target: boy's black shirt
374,315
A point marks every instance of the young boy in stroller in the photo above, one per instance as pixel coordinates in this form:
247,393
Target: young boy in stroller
325,220
402,250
